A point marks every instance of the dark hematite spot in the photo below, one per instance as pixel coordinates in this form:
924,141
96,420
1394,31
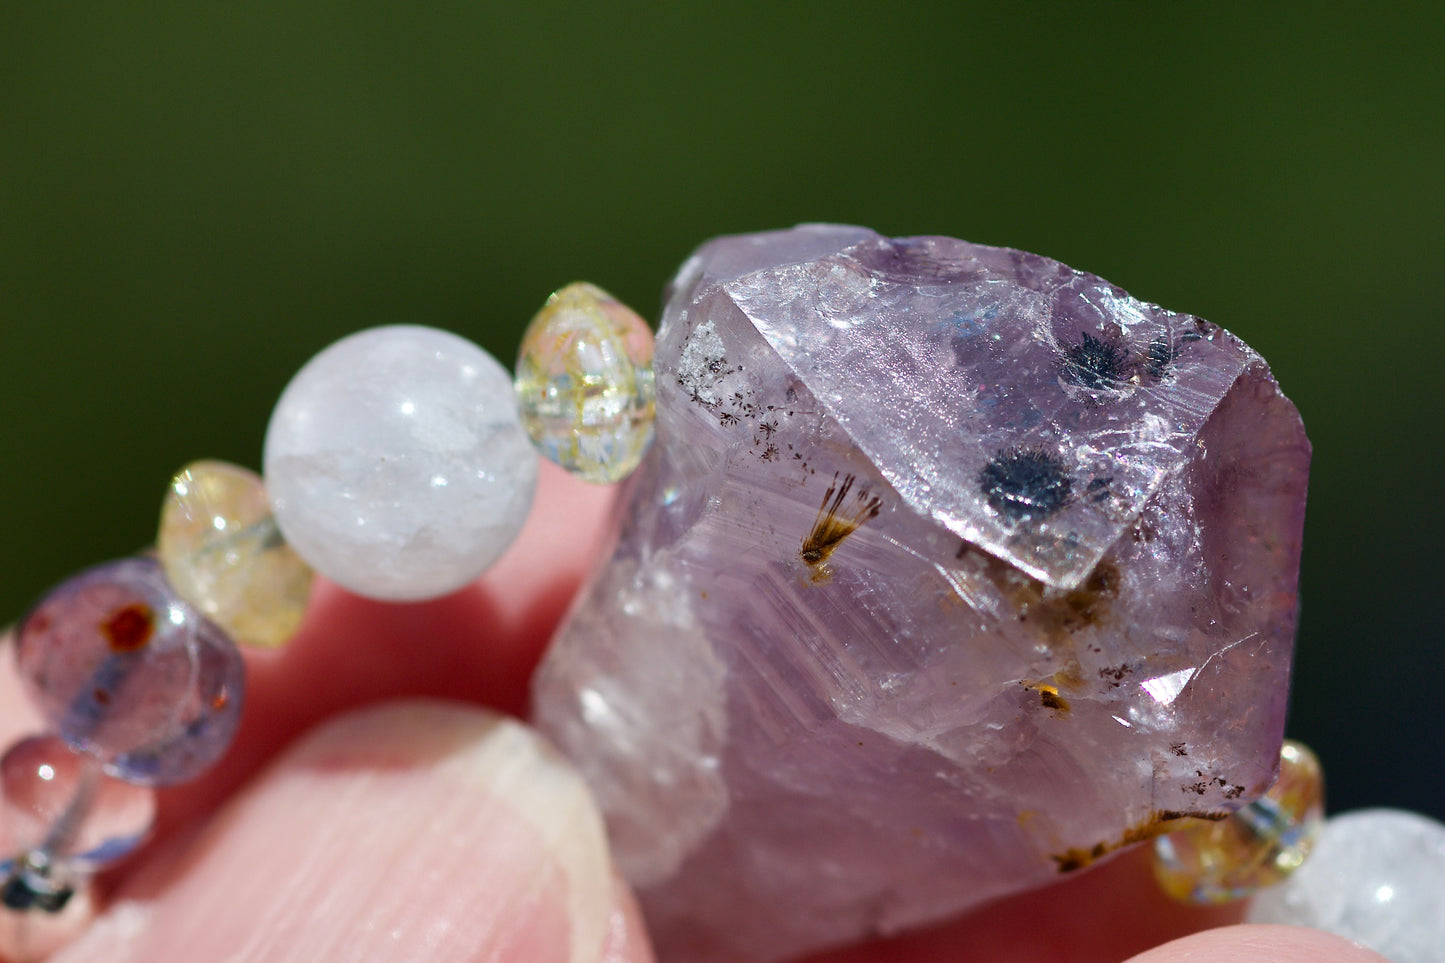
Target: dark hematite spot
1096,363
1026,483
1161,356
1098,489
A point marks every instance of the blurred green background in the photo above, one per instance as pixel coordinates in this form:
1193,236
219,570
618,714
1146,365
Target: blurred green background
194,198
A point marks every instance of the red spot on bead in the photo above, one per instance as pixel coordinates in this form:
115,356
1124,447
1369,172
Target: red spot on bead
100,696
221,700
129,628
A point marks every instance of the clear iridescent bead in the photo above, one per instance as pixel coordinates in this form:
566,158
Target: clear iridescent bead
223,553
1256,847
584,383
120,667
61,803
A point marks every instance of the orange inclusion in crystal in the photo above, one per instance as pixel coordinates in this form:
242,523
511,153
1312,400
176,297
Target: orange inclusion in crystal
129,628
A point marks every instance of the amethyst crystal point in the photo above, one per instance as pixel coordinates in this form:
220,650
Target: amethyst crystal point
952,569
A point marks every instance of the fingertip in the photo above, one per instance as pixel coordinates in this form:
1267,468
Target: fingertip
1101,915
409,828
17,717
564,533
626,933
479,645
1255,943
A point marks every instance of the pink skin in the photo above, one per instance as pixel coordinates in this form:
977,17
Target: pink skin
243,822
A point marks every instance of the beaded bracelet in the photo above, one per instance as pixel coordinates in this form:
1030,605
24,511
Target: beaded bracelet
399,463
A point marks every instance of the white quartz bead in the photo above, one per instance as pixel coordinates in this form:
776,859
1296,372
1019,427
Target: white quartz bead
1376,876
396,464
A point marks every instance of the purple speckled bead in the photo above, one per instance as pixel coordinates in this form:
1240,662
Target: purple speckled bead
124,670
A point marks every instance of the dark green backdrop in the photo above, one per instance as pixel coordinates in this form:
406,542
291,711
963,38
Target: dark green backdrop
196,197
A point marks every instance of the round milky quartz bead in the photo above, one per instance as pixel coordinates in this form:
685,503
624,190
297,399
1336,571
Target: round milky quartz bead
396,465
1256,847
121,668
223,553
584,383
61,802
1376,876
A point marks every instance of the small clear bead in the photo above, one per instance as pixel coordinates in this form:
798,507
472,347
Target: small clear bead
396,464
584,383
60,802
1256,847
223,553
123,669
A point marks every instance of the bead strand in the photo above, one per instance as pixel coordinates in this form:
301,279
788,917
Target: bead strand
396,464
138,690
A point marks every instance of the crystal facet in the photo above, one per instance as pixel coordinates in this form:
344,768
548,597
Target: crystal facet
223,553
1255,847
1376,876
123,669
951,569
396,463
59,801
584,383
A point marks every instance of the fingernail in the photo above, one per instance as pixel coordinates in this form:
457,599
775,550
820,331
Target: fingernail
418,830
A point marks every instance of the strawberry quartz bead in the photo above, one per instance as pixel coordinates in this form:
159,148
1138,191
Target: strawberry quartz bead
122,669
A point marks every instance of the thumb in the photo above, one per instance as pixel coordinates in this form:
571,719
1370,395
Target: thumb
1260,944
415,830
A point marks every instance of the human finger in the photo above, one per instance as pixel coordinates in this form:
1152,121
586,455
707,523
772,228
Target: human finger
1100,916
410,830
477,645
1260,944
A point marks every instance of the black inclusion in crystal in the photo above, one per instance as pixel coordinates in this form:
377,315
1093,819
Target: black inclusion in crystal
1096,363
1026,483
1161,356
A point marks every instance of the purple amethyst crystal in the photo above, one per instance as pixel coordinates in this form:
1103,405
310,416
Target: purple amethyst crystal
952,570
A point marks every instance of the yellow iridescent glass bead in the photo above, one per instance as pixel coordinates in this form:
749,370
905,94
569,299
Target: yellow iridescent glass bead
1256,847
584,383
223,553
